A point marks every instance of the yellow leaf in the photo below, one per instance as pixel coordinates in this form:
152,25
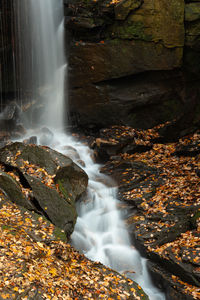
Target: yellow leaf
31,278
53,271
28,249
40,244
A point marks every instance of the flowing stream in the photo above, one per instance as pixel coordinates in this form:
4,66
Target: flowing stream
100,232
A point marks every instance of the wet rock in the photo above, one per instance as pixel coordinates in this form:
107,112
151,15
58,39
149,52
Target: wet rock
4,135
81,163
164,209
60,210
122,54
117,40
10,118
150,23
20,129
33,140
46,136
134,148
11,112
171,285
50,181
185,271
71,152
106,146
116,63
72,181
188,150
13,190
140,101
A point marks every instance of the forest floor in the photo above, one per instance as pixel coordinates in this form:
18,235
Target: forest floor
37,263
159,181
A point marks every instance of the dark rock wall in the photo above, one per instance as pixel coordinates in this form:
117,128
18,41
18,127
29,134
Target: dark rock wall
131,62
7,84
15,56
134,62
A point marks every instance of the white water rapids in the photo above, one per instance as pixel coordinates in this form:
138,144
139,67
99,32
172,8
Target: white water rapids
100,232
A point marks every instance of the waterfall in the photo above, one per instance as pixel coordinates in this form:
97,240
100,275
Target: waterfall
42,63
47,28
100,231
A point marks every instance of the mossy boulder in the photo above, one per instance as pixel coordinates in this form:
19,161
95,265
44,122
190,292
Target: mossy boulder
13,190
34,180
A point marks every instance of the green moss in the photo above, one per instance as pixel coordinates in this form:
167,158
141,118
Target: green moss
65,192
130,30
59,234
192,12
6,227
136,31
9,228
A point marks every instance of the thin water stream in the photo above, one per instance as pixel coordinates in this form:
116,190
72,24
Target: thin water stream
100,232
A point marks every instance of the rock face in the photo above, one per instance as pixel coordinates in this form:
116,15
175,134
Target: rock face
133,62
159,186
192,45
42,180
6,49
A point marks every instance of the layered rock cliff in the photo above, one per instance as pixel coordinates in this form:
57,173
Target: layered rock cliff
131,62
134,62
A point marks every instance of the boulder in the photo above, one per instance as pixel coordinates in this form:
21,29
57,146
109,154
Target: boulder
60,210
13,190
43,180
46,136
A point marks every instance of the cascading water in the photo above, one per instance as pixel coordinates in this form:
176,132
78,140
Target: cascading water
48,49
42,72
100,232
